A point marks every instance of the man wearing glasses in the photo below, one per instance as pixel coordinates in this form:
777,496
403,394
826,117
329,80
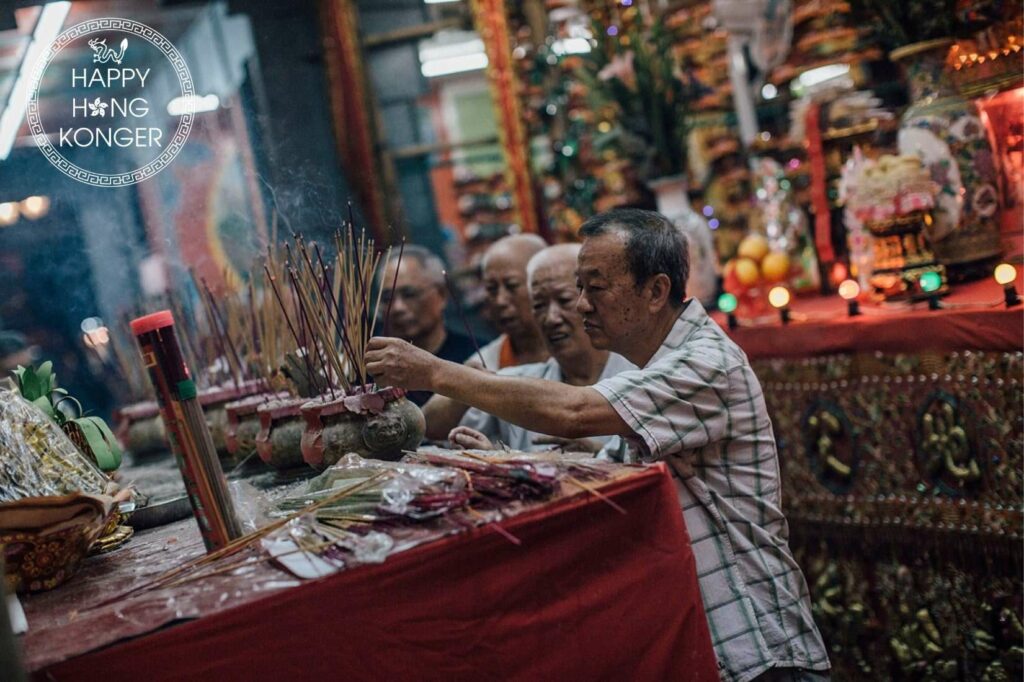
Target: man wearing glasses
417,300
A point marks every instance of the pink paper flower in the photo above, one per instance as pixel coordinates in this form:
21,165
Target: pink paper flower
620,67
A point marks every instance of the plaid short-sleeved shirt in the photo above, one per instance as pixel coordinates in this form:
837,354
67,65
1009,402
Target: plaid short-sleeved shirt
517,437
698,405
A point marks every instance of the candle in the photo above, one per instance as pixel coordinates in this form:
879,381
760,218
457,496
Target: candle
1006,275
727,304
849,290
930,283
779,298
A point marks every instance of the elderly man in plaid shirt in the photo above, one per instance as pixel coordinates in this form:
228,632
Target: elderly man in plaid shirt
695,404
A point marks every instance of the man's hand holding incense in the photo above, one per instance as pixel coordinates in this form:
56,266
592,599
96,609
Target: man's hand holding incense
394,362
566,411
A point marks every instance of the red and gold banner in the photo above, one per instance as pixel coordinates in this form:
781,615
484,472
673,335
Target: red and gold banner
819,187
492,24
354,130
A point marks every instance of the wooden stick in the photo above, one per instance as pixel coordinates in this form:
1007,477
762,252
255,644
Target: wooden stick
462,316
380,292
241,543
219,324
304,321
319,309
597,493
185,327
496,526
299,346
337,313
394,284
216,332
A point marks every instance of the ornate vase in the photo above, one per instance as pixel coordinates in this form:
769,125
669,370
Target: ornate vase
946,131
674,204
375,425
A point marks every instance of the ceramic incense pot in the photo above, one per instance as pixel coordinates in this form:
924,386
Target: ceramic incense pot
244,423
214,402
140,429
279,441
377,424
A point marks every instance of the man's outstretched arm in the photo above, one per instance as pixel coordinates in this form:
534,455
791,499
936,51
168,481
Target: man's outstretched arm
549,407
442,414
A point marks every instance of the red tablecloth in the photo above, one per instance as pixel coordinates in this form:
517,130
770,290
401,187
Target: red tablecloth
590,594
974,318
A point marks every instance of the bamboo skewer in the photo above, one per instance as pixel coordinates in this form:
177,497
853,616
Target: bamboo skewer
218,339
496,526
221,330
330,312
597,493
241,543
291,327
462,316
303,316
394,284
331,303
571,479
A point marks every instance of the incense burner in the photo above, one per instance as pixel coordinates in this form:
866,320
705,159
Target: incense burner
244,422
374,424
140,429
214,402
279,441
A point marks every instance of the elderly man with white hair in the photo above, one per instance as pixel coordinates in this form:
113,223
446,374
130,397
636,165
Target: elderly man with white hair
508,306
551,277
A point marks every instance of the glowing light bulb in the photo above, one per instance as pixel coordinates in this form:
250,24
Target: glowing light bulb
35,207
8,213
1005,274
849,289
930,281
727,304
779,297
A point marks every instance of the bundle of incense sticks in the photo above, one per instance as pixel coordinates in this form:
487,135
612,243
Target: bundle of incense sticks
329,307
186,427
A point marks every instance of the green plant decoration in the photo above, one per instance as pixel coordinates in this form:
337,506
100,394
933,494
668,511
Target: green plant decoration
38,385
653,93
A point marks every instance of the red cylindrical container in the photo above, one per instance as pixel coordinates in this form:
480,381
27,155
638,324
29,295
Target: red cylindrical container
187,431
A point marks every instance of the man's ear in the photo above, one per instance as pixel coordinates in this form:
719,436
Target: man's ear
660,287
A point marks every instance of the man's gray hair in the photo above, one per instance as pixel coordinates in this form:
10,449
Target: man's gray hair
529,244
654,245
426,259
559,253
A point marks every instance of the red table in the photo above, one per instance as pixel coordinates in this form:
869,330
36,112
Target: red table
900,439
973,317
589,594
